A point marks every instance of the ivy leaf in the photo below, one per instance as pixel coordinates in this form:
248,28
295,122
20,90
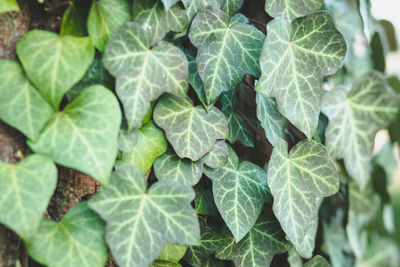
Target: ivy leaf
191,131
54,63
311,41
84,135
25,190
172,252
77,240
8,6
354,119
143,72
204,201
296,180
291,9
218,155
169,3
183,171
260,245
238,130
272,121
151,13
229,7
21,105
140,221
150,144
226,50
239,192
317,261
74,18
105,16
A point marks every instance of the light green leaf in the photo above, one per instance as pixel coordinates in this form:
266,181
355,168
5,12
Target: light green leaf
238,130
105,16
143,72
161,263
294,258
226,51
183,171
54,63
218,155
191,131
74,18
272,121
260,245
25,192
150,144
77,240
21,105
291,9
172,252
229,7
240,191
317,261
296,180
8,6
151,13
84,135
169,3
140,221
311,41
354,119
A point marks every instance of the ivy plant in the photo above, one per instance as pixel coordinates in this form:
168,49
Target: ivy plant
220,134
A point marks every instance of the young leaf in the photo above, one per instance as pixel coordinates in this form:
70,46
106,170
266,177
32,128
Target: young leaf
140,221
227,50
311,41
74,18
21,105
84,135
54,63
240,191
317,261
77,240
296,180
354,119
25,191
105,16
291,9
272,121
8,6
143,72
172,252
191,131
150,144
260,245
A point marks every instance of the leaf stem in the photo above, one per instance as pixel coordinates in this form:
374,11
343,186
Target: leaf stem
148,174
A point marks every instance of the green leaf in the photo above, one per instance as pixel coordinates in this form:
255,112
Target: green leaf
226,51
140,221
311,41
25,192
54,63
169,3
239,192
296,180
150,144
272,121
218,155
104,18
230,7
172,252
143,72
183,171
8,6
74,19
84,135
21,105
294,258
291,9
77,240
204,201
191,131
151,13
260,245
354,119
317,261
238,130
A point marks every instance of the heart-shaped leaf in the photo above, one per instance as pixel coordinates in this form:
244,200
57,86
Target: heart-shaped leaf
291,9
140,221
54,63
311,41
105,16
84,136
240,191
143,72
21,105
150,144
227,50
191,131
25,192
296,180
77,240
354,119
